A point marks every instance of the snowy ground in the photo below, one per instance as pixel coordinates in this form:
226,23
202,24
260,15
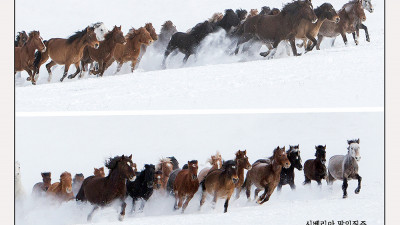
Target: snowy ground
338,76
77,144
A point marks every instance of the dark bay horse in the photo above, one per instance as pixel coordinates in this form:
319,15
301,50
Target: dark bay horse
21,39
228,21
345,167
42,187
66,51
266,176
62,190
216,163
349,14
241,13
101,191
367,5
142,186
242,162
186,185
104,53
24,56
275,28
287,174
220,183
315,169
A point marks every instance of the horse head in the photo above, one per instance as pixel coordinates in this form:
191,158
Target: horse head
100,30
230,167
90,37
294,156
242,160
158,179
99,172
149,171
66,182
280,157
46,176
320,153
149,27
366,4
354,149
78,178
144,36
327,11
193,167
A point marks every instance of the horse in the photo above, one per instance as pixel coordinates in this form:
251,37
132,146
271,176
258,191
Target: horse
275,28
18,190
242,162
265,10
241,14
142,186
62,190
229,20
315,169
21,39
165,166
99,172
287,174
266,176
216,163
103,53
41,187
131,49
187,43
167,30
345,167
367,5
186,185
253,12
220,183
175,163
149,27
307,30
77,183
216,17
66,51
157,180
24,56
349,14
101,191
100,30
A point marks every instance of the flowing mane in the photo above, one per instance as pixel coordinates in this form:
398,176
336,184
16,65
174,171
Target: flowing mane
228,163
77,35
111,163
162,161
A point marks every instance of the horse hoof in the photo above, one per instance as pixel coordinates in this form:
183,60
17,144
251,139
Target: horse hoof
368,40
28,79
357,191
344,196
70,77
298,54
121,217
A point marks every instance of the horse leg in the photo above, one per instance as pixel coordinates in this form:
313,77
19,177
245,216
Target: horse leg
226,204
272,51
243,39
122,214
264,196
176,201
279,188
359,178
314,43
203,198
133,64
186,57
330,179
293,45
292,185
186,202
344,187
215,199
180,202
48,67
306,180
78,70
65,72
356,36
133,205
142,205
319,182
256,193
119,66
269,193
344,37
320,37
89,218
168,51
31,76
238,190
366,31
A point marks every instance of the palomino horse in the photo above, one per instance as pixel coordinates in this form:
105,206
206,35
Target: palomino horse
77,183
275,28
142,186
345,167
101,191
62,190
315,169
253,12
220,183
24,56
186,185
165,166
349,14
103,54
216,17
287,174
266,176
42,187
242,162
216,163
66,51
367,5
21,39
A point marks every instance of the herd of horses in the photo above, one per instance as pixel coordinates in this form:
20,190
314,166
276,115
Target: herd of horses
97,46
220,180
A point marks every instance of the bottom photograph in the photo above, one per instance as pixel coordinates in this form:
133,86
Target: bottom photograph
306,168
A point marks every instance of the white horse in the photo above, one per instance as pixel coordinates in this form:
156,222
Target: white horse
19,190
345,167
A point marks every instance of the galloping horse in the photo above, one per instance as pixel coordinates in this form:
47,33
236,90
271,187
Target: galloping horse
367,5
216,163
142,186
62,190
315,169
242,162
345,167
287,174
42,187
186,185
165,166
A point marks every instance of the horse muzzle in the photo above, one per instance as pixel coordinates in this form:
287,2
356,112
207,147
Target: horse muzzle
132,178
315,20
323,161
96,46
358,158
68,190
337,20
158,186
287,165
235,180
249,168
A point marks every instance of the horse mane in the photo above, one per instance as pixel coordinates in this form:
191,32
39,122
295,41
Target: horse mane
46,173
163,161
351,4
357,141
228,163
273,153
97,24
111,163
199,28
77,35
209,160
110,33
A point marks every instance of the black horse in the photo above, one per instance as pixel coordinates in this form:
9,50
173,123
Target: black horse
241,13
188,42
142,187
230,19
287,175
315,169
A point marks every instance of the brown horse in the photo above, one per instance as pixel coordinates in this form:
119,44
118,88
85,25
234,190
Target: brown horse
62,190
266,176
21,39
315,169
24,56
275,28
253,12
186,185
157,180
101,191
220,183
99,172
242,163
66,51
216,163
131,49
104,53
165,166
349,14
149,27
77,182
41,187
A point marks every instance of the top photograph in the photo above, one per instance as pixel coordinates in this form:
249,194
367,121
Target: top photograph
198,55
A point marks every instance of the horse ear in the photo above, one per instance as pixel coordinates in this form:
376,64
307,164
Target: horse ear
42,174
316,147
358,141
325,146
130,157
245,151
283,148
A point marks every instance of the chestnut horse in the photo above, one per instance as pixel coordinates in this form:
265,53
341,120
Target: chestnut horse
21,39
186,185
220,183
349,14
275,28
216,163
24,56
242,162
41,187
149,27
104,53
62,190
315,169
66,51
165,166
101,191
99,172
266,176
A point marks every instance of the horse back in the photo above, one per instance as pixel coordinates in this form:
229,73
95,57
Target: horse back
335,166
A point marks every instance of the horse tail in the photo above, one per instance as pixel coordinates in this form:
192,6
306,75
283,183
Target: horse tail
36,62
203,185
